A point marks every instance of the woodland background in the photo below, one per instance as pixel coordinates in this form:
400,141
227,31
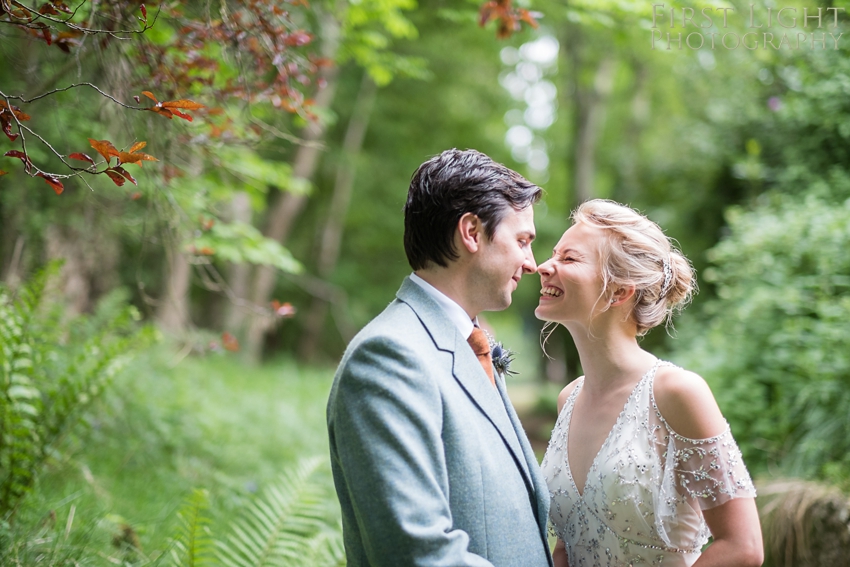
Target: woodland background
171,312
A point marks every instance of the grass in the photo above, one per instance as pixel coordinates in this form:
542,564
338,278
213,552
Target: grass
208,423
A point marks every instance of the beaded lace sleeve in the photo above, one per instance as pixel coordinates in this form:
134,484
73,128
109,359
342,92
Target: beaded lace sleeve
709,472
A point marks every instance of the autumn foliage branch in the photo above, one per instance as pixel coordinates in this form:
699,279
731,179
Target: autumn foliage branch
12,115
56,23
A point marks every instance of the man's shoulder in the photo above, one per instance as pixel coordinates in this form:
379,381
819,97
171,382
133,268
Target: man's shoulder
396,320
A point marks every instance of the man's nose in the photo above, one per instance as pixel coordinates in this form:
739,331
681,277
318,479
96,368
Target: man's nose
529,266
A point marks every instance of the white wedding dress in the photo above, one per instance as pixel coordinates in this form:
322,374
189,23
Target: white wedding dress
642,502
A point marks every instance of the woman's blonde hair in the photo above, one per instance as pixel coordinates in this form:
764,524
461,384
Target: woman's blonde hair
636,252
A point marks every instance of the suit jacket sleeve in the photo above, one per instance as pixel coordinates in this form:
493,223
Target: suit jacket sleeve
387,438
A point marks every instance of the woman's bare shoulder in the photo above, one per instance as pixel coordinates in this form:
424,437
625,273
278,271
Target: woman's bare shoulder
565,393
686,403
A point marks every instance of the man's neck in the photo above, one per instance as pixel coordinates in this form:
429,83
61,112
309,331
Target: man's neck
449,284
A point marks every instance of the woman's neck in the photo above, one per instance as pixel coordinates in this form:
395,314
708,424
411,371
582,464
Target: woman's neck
610,357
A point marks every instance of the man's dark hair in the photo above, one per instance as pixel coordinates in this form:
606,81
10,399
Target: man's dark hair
446,187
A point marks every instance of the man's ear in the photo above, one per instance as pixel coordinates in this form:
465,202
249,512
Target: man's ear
470,231
622,295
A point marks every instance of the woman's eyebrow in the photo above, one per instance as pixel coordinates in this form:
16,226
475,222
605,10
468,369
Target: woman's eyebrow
566,251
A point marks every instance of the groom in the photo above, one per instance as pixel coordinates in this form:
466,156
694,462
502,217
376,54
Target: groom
430,463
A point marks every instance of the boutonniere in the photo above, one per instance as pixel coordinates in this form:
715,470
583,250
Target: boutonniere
501,357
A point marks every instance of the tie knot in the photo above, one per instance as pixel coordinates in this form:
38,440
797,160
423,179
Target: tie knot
478,341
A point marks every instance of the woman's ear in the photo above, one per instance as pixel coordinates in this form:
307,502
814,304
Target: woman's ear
470,231
622,295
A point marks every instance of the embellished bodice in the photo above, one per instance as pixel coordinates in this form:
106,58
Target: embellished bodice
645,490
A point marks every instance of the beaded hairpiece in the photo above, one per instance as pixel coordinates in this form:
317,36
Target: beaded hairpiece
668,278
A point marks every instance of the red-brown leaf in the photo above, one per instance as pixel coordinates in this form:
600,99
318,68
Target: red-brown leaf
126,174
144,12
144,157
125,157
81,157
181,115
184,104
5,108
206,224
285,310
150,96
486,12
116,177
297,39
104,148
7,128
22,156
61,6
528,17
53,182
3,172
229,342
48,9
137,146
161,111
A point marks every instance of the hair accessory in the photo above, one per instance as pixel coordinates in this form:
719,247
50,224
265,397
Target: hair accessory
668,278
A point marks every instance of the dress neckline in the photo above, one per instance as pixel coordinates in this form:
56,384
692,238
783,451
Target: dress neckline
568,419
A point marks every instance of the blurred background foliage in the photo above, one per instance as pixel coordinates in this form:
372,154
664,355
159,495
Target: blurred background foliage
271,232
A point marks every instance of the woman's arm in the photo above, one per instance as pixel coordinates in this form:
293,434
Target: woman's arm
687,404
737,535
559,554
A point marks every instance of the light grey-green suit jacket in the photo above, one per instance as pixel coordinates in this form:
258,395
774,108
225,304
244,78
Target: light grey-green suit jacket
430,463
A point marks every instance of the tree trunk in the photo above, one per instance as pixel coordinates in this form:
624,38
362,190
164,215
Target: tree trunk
590,118
288,205
173,310
239,275
331,237
90,253
629,172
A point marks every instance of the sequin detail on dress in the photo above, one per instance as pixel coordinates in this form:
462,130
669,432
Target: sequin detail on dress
645,489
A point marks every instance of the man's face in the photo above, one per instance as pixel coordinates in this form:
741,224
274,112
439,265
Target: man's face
502,260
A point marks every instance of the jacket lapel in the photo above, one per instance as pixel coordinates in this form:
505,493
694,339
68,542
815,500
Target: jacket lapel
468,372
541,490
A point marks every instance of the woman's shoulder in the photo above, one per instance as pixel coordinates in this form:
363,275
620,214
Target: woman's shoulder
686,404
565,393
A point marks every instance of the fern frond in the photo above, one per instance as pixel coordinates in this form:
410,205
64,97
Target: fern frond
20,400
193,544
326,548
50,371
279,528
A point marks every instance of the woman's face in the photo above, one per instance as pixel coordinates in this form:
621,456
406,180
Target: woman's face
571,280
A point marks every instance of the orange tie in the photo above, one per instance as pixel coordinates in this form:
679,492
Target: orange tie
481,347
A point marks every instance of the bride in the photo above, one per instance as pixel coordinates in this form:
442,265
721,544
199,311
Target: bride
642,467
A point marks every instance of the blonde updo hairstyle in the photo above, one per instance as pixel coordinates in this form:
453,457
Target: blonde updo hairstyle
636,252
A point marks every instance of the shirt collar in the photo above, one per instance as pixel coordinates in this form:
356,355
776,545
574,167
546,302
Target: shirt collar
453,311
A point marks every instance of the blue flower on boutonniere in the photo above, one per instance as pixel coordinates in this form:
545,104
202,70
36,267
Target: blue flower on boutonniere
502,358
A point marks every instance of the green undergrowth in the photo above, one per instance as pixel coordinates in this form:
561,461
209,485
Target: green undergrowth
164,432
